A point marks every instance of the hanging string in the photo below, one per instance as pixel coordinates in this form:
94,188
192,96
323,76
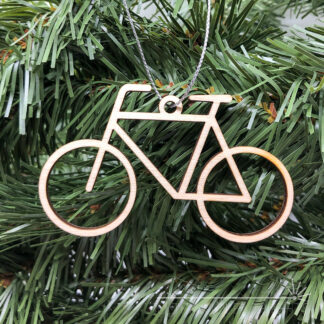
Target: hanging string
204,49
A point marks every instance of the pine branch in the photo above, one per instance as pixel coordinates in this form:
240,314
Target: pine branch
62,65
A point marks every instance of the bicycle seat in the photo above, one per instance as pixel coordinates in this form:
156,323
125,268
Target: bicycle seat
211,98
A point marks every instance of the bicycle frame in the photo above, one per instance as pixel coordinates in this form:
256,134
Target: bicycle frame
209,123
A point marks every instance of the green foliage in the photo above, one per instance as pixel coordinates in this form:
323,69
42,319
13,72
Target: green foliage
62,63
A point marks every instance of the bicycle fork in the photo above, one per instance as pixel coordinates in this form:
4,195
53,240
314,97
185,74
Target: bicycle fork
101,152
110,127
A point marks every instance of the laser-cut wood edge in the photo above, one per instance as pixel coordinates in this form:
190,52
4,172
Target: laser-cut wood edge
227,153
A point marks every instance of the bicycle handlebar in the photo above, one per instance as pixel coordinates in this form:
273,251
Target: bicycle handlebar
135,87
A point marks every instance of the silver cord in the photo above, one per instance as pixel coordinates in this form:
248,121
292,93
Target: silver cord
131,21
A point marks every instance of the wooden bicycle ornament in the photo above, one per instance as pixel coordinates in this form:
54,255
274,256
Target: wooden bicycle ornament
210,123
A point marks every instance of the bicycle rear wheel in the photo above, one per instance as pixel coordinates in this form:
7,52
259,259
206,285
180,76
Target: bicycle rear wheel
60,221
271,228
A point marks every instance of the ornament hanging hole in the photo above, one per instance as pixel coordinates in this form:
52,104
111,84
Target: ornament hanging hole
170,105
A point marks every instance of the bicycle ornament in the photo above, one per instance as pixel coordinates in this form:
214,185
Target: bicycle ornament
210,124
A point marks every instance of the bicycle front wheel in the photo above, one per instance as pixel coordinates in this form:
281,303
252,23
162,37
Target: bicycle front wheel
116,161
286,205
